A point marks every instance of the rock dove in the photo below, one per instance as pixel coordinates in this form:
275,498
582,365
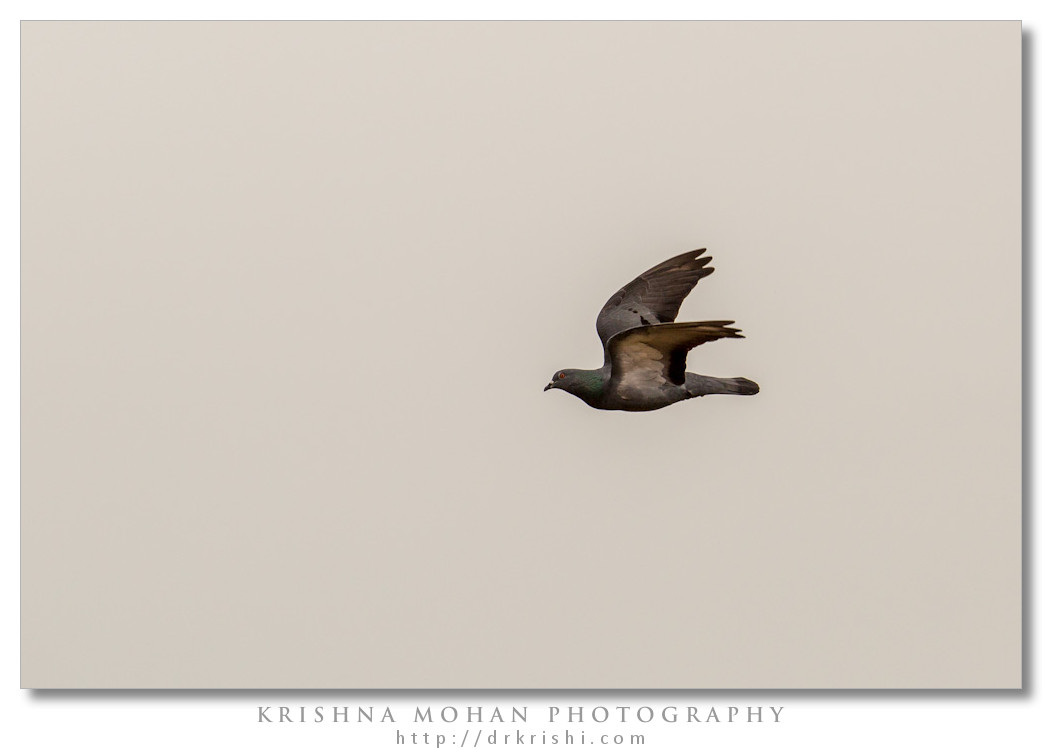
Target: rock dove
645,351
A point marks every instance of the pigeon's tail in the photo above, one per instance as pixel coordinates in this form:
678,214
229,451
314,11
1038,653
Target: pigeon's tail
697,385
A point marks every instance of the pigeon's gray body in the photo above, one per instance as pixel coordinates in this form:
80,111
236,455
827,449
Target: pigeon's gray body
645,351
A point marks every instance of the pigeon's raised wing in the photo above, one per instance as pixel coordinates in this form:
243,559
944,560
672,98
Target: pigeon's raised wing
654,296
651,356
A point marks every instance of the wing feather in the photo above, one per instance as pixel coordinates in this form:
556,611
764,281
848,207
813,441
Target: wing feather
654,296
656,355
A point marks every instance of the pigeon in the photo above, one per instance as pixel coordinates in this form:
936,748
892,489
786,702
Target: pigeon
645,351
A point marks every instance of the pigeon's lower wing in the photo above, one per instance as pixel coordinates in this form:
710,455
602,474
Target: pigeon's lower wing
656,355
654,296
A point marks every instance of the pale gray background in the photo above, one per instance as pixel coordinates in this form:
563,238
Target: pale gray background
291,293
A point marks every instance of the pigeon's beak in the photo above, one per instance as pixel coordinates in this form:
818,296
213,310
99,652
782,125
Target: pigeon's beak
548,387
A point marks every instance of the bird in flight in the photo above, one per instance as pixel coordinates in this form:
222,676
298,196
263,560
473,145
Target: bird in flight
645,351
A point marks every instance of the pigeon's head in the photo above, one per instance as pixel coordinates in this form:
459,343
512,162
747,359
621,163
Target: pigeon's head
587,384
565,379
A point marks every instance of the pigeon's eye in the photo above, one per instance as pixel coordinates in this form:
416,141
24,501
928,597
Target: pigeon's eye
560,375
